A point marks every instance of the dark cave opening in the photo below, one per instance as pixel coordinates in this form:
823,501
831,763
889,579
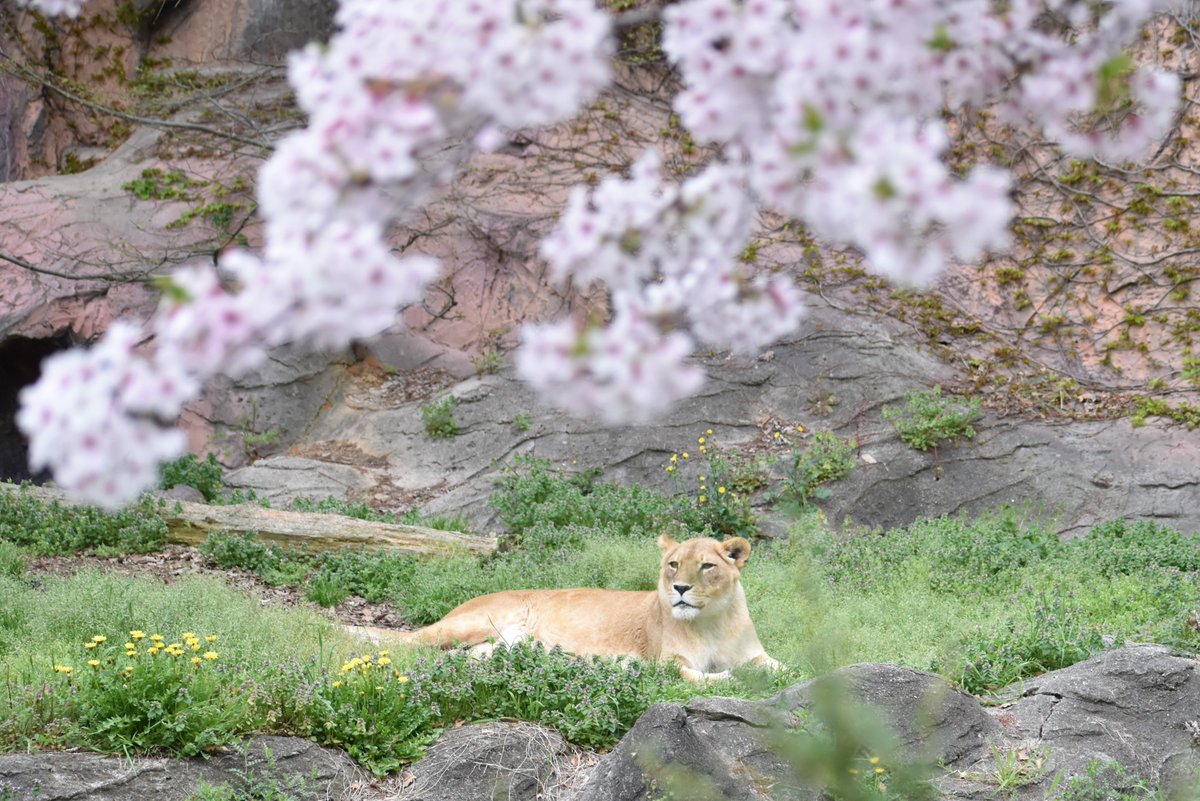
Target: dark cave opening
20,365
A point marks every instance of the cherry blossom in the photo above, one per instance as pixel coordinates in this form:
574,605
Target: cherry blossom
831,112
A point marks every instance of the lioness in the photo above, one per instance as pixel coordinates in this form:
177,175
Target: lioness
697,618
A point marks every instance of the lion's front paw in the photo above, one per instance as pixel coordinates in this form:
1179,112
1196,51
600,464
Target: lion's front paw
691,674
769,663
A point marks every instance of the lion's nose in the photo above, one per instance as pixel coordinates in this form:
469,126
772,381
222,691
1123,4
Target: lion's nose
681,588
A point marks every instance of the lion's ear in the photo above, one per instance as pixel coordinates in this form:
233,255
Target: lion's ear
737,549
665,541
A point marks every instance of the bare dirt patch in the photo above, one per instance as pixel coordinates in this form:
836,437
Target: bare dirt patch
177,562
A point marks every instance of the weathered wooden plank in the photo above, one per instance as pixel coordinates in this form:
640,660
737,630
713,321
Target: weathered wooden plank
191,523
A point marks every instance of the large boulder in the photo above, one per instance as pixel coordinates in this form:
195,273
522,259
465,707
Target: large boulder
1131,715
730,745
838,376
502,761
291,765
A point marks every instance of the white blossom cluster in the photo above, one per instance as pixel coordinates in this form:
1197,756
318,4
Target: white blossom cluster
829,111
837,107
669,256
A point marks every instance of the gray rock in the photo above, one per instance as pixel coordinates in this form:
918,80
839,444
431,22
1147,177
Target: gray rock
288,762
1081,474
501,761
1136,707
730,745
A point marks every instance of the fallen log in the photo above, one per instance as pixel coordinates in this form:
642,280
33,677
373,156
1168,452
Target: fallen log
191,523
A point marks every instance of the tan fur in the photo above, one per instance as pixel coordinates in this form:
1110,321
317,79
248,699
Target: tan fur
707,637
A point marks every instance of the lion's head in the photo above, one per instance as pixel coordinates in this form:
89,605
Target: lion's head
699,577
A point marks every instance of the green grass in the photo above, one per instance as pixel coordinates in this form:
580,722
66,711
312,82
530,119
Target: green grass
985,602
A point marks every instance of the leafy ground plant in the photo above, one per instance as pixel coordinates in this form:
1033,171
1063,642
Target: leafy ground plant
827,458
928,419
438,417
368,710
48,528
150,694
205,477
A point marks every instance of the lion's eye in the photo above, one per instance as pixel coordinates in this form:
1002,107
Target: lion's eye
707,566
673,565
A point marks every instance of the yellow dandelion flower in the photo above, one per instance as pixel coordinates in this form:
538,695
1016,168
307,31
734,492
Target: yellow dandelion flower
129,646
385,652
709,432
128,670
703,498
94,663
383,660
402,679
720,490
62,669
156,637
674,458
700,441
187,635
670,468
800,429
137,634
197,660
874,760
337,684
778,435
686,455
703,449
210,655
99,638
195,646
153,650
211,638
879,770
702,479
89,645
131,654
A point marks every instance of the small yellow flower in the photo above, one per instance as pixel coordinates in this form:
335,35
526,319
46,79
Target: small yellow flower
385,652
130,646
197,660
99,638
670,468
210,655
402,679
187,635
337,684
62,669
874,760
153,651
89,645
778,435
211,638
879,770
700,441
674,458
703,449
709,432
131,654
94,663
383,660
137,634
686,455
156,637
720,490
703,498
128,670
800,429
